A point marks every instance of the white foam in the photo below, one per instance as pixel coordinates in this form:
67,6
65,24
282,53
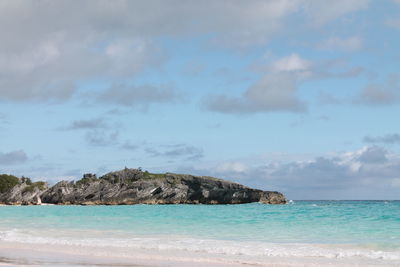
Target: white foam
221,247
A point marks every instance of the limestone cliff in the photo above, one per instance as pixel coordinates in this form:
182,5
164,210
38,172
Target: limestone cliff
133,186
20,191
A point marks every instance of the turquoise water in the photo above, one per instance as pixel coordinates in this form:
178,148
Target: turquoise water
373,225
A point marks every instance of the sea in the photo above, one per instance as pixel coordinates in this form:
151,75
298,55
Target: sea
366,232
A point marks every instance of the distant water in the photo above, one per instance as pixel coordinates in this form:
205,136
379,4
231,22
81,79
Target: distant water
331,229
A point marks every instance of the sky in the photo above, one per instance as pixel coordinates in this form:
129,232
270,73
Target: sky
298,96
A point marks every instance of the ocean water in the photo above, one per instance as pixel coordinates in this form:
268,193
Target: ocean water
327,229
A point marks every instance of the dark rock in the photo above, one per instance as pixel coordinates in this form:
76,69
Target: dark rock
133,186
22,191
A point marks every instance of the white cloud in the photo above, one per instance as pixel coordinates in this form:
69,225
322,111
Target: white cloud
176,151
102,138
130,55
232,167
291,63
367,173
322,13
121,94
373,155
385,139
13,157
353,43
48,49
90,124
387,93
275,91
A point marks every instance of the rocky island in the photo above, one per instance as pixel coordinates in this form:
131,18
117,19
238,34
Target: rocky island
132,186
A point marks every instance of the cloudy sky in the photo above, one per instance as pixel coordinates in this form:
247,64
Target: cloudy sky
300,96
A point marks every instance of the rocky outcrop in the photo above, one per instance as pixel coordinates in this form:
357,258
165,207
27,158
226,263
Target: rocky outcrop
20,191
133,186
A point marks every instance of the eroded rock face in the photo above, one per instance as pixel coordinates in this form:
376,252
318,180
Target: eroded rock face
133,186
24,192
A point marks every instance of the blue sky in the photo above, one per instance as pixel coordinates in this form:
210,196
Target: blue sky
300,96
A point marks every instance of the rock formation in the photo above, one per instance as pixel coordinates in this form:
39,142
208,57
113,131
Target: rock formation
134,186
20,191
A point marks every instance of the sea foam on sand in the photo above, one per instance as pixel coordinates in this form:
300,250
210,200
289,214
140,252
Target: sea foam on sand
21,247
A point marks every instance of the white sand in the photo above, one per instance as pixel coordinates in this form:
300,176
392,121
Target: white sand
19,254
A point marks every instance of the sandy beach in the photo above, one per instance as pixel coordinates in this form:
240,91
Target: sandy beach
13,254
19,254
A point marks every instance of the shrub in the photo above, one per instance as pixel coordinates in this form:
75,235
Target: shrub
149,175
7,182
26,180
87,179
31,188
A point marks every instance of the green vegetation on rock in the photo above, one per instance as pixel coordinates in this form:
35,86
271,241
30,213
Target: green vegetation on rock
26,180
87,179
31,188
149,175
7,182
133,186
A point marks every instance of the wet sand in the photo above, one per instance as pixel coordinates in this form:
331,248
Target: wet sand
16,254
20,254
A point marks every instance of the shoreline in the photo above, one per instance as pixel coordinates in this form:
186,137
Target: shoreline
27,254
19,254
302,234
205,204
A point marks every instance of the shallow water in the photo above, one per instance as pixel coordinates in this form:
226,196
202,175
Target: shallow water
331,229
